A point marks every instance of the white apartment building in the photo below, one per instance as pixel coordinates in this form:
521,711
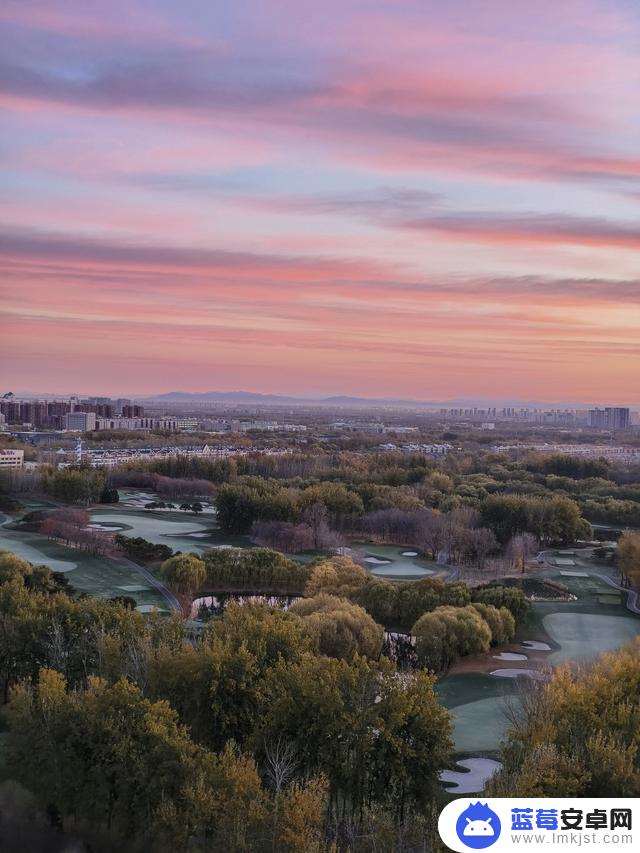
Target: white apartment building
11,458
166,424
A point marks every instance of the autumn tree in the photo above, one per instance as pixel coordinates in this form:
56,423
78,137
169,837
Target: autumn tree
578,734
378,740
339,628
112,757
500,621
338,576
448,633
503,596
629,557
520,548
184,572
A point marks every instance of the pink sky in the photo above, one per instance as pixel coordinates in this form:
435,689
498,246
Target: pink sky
405,198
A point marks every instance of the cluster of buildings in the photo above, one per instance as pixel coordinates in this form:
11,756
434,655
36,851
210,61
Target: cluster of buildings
80,421
111,457
237,425
103,413
434,450
372,427
621,454
611,417
55,414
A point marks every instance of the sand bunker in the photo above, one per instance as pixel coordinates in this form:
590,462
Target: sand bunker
516,673
574,574
535,646
510,656
474,779
375,561
409,553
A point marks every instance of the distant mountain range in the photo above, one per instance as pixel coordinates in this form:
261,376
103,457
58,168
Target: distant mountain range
279,399
345,400
251,397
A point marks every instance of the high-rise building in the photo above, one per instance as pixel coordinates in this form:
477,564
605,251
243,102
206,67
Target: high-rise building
80,421
132,411
611,417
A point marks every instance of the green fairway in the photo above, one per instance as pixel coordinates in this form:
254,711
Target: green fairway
585,635
95,575
479,705
178,530
480,726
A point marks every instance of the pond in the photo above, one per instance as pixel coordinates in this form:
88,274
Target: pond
216,604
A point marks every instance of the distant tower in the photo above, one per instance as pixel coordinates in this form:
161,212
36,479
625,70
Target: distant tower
79,451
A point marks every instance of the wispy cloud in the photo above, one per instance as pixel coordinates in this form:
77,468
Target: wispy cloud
340,196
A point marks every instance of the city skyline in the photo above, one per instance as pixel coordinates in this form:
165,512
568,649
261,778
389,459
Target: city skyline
389,200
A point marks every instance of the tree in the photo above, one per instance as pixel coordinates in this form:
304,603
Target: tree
629,557
316,517
378,740
448,633
254,570
338,576
520,548
481,544
339,628
506,515
13,567
503,596
432,535
280,763
283,536
196,508
79,484
142,550
184,572
340,502
500,621
302,817
239,505
119,761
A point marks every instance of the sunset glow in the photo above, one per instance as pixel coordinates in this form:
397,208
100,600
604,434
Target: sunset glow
392,199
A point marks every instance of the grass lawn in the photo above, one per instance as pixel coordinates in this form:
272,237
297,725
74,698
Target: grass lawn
95,575
478,704
178,530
